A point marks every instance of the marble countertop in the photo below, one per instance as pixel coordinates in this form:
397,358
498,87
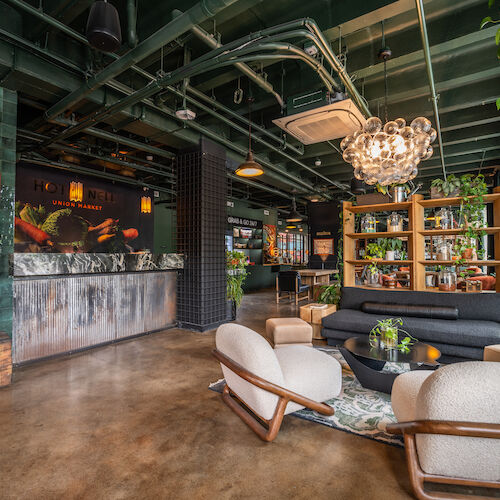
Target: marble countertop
50,264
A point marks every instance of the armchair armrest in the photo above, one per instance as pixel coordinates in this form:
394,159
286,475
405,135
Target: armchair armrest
446,427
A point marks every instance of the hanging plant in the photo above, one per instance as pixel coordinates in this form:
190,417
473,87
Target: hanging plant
236,262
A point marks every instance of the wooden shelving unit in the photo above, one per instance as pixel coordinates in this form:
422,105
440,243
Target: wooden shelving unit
415,236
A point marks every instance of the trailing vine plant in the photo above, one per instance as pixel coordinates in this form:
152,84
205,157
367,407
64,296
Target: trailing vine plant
485,22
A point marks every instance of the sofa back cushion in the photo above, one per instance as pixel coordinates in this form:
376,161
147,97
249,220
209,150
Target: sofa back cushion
480,306
416,311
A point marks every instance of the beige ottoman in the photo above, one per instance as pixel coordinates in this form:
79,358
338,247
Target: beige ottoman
491,353
289,331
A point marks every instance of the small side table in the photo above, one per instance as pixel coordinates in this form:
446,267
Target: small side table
313,315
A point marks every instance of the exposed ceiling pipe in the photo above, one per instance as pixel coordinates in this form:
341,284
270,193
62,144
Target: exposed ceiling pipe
202,11
209,40
102,134
430,75
230,112
96,173
257,139
259,186
131,24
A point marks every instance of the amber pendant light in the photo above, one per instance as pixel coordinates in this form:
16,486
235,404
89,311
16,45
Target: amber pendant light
249,168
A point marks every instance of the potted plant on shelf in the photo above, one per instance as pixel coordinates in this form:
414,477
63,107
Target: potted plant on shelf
472,215
386,334
373,251
391,246
236,263
449,188
397,192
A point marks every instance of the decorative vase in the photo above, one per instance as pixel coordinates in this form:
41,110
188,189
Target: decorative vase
373,279
447,281
389,337
394,222
368,224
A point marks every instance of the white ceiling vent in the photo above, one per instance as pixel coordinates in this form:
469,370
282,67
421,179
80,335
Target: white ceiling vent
323,124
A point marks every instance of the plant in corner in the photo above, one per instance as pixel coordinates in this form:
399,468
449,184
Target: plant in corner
386,334
236,262
330,294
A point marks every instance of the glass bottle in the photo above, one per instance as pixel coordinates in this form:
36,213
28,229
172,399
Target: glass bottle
394,222
444,219
447,281
444,251
368,224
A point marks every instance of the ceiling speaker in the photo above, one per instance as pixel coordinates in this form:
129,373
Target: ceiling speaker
103,27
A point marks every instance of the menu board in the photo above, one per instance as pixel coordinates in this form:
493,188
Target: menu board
64,212
323,246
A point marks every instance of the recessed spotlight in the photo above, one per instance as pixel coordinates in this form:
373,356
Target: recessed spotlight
149,157
317,162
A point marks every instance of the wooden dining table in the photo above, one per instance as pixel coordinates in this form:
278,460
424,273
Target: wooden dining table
313,277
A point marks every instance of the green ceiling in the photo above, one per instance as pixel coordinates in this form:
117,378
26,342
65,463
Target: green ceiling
45,64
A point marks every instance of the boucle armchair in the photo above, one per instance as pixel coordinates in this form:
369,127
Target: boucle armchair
450,420
273,383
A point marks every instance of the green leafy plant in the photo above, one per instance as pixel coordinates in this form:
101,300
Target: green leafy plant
330,294
485,22
391,244
236,262
448,186
472,190
388,330
374,251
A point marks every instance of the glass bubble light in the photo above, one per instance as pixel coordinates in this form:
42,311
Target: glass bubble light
389,154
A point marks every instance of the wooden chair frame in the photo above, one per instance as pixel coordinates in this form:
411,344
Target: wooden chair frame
448,428
298,298
269,431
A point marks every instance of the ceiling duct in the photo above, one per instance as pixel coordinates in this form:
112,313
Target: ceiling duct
320,116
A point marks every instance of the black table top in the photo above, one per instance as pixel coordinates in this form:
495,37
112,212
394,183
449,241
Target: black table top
418,353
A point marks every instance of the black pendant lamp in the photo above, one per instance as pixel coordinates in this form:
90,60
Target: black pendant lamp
103,27
249,168
294,216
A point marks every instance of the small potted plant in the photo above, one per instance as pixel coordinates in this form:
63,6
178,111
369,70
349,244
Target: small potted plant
391,246
386,334
373,251
448,188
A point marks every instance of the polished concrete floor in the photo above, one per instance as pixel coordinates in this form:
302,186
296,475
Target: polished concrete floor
136,420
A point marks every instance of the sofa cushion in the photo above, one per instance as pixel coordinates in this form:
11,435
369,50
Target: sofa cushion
461,332
478,306
416,311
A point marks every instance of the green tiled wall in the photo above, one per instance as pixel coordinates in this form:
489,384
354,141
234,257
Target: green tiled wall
8,118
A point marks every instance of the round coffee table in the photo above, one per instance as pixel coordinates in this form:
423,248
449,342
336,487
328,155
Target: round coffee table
367,361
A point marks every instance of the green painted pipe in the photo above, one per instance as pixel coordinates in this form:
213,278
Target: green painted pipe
261,141
195,15
230,112
209,40
95,173
102,134
131,24
430,75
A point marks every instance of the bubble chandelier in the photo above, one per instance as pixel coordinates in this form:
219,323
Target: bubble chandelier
388,154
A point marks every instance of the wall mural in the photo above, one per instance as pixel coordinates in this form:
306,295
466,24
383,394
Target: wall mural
271,252
64,212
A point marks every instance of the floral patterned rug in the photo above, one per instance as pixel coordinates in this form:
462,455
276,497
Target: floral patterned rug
357,410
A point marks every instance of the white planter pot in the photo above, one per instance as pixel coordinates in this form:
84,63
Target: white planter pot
390,255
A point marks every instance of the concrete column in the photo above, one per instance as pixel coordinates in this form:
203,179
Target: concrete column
8,121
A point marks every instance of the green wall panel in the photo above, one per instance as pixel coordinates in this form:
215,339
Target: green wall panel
8,114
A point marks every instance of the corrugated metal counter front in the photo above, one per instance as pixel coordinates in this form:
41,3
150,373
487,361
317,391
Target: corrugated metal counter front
65,313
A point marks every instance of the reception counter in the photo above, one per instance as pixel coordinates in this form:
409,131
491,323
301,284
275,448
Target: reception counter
69,302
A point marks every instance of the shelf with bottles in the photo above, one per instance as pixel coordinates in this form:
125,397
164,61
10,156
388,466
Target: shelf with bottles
382,234
382,207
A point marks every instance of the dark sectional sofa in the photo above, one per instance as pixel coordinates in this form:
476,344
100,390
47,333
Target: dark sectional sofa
476,320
